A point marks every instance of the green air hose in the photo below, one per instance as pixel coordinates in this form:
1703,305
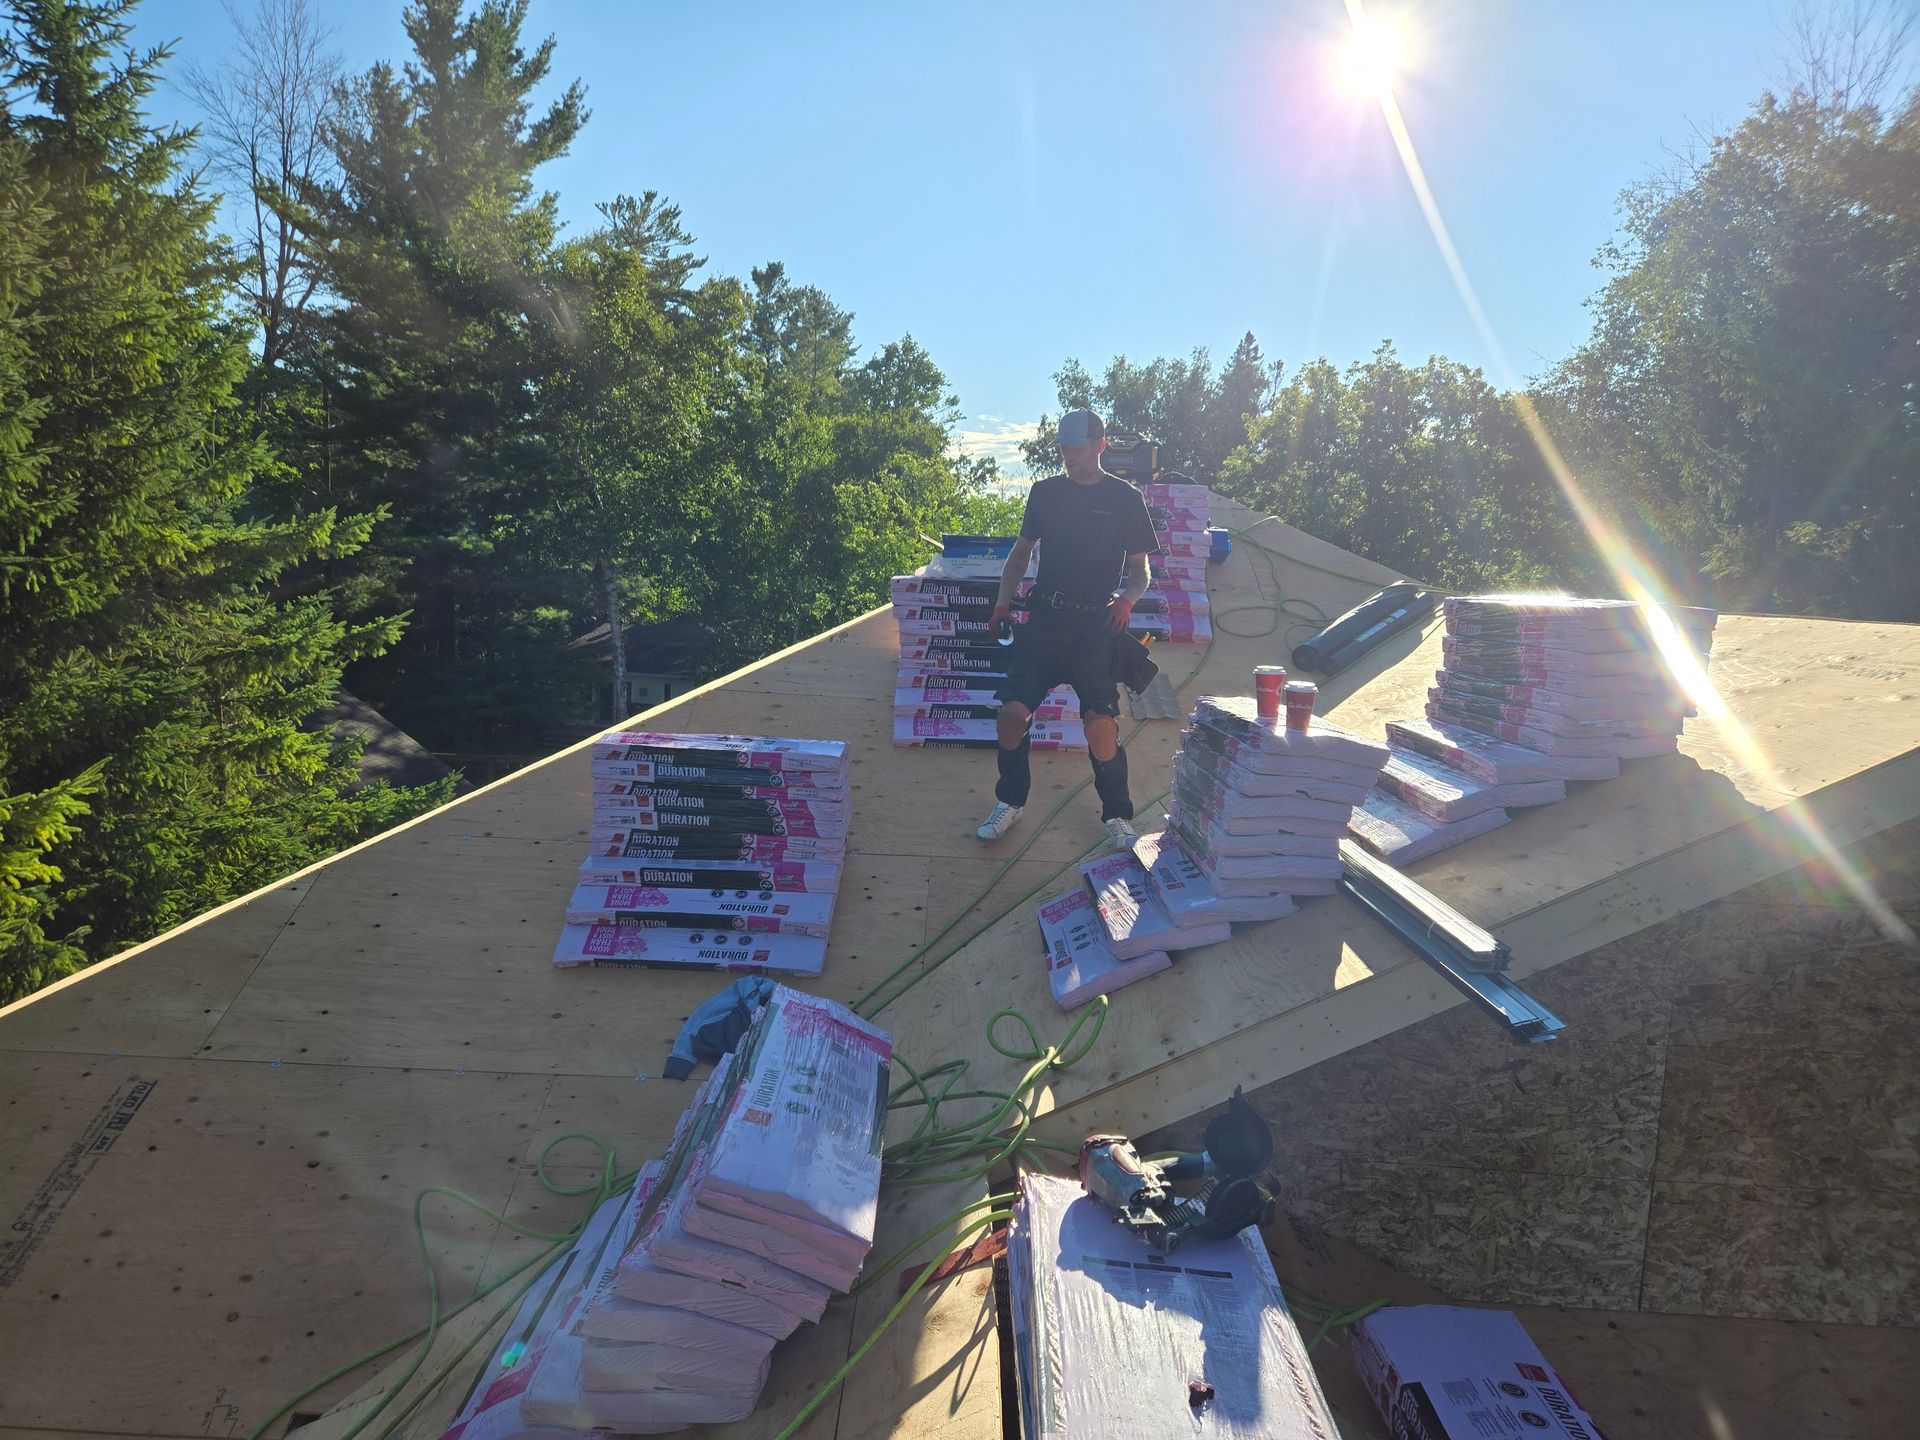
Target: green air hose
936,1152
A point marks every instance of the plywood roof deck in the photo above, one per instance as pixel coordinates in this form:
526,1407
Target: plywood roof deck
317,1053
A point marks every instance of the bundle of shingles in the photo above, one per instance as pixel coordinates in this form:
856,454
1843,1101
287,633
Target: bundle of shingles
1112,1342
1256,819
1535,691
710,851
1177,607
665,1312
951,665
1259,807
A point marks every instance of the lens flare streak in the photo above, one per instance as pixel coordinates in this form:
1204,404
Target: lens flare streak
1637,579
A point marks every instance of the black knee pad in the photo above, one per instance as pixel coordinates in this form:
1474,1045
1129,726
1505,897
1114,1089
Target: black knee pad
1110,784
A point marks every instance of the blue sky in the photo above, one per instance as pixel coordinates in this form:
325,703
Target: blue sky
1014,184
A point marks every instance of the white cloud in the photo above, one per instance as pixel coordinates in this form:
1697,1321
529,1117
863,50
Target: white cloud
992,436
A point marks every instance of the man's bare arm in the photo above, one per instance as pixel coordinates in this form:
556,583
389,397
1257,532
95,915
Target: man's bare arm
1139,576
1014,572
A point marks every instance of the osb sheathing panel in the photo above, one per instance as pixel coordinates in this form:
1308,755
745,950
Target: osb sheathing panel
1728,1127
413,971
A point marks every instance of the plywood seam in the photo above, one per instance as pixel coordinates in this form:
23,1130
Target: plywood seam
253,969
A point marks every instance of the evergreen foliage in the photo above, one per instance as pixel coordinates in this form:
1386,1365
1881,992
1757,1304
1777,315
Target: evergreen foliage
152,756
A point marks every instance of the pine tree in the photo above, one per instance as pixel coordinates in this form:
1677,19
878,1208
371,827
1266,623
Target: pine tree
436,251
152,757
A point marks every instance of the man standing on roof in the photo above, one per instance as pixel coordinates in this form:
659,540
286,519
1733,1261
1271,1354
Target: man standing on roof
1092,529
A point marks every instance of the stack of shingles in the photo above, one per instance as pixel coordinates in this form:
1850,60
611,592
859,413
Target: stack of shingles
951,666
710,851
1259,808
666,1311
1535,691
1176,608
1256,820
1114,1342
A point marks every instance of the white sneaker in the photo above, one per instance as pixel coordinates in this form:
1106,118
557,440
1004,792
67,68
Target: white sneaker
1002,818
1121,833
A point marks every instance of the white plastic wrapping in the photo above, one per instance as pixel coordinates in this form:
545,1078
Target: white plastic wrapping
1080,962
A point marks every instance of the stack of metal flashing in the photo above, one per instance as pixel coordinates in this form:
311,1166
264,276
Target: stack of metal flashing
710,851
1114,1342
665,1313
1463,952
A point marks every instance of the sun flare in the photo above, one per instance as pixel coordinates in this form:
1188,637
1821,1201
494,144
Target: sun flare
1372,56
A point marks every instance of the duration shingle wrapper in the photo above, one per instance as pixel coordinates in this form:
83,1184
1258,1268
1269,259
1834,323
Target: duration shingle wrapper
1445,794
815,877
618,944
769,912
1497,762
625,842
1114,1337
1238,717
803,1134
1183,888
1321,780
723,753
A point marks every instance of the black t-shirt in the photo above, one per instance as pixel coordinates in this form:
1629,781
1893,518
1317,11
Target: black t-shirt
1086,533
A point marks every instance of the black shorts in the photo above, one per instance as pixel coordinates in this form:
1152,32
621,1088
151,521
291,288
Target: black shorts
1074,650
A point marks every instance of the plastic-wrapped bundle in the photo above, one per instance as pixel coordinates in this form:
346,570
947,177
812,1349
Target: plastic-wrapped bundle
1133,917
618,944
1108,1338
812,877
1446,795
1080,960
802,1137
631,842
1236,717
1578,746
1498,762
759,911
722,757
1183,889
1396,831
1322,780
983,734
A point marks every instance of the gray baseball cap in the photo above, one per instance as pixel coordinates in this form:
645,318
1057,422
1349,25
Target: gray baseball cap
1080,427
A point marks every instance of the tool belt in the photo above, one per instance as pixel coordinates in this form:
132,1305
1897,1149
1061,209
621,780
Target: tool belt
1054,600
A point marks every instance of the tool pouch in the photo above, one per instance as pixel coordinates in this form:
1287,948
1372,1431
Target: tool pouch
1132,666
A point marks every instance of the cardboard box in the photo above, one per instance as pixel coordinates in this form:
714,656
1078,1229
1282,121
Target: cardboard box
1447,1372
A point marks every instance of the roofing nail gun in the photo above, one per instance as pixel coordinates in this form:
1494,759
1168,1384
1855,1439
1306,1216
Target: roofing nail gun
1140,1193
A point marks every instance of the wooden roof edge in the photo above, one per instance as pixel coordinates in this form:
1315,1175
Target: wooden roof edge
100,967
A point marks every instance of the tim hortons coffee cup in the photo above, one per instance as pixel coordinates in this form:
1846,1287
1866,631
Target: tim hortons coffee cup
1299,697
1267,682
